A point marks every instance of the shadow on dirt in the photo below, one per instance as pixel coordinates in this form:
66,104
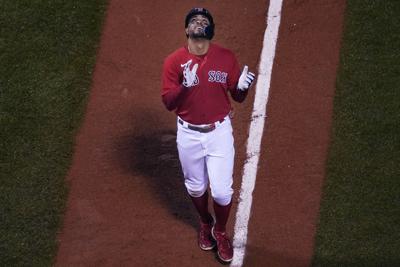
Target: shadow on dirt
153,157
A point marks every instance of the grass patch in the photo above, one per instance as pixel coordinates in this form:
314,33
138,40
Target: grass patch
47,54
360,211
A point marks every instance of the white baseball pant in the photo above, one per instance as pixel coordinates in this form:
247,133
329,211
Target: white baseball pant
207,158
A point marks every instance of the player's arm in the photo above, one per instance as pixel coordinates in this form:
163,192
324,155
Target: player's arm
239,83
243,85
172,88
238,95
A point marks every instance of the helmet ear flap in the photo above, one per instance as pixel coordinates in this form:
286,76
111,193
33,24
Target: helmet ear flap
209,31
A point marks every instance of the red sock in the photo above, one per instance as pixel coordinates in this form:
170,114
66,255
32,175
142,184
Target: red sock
222,215
201,205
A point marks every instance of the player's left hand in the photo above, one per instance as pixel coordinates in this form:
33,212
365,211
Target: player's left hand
190,77
245,79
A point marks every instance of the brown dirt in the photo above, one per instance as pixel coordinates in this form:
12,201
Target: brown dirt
296,137
127,204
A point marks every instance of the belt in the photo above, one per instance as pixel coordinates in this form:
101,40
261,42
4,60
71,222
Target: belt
202,129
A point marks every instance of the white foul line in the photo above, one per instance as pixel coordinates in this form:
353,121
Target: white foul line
256,131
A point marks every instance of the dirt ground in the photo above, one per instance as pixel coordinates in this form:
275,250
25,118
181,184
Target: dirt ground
127,204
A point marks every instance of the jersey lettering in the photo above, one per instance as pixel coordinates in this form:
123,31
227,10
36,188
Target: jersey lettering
217,76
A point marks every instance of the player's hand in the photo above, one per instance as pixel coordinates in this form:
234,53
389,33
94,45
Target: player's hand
189,75
245,79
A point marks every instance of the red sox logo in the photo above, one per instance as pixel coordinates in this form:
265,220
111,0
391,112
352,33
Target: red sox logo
213,75
217,76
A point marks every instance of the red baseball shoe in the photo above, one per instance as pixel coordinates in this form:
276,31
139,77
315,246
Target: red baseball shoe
206,241
224,245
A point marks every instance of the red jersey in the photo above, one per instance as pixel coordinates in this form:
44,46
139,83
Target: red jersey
207,101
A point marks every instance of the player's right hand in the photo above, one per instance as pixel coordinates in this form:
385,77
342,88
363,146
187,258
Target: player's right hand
189,75
245,79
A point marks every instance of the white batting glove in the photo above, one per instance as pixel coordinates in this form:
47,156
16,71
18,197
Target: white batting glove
189,76
245,79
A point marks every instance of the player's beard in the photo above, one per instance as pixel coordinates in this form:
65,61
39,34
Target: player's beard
198,34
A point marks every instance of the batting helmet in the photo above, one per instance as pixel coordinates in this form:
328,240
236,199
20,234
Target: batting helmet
209,30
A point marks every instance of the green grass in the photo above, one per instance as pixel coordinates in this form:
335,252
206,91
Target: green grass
360,212
47,54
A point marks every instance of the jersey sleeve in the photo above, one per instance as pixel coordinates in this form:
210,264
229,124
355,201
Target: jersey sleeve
172,89
233,78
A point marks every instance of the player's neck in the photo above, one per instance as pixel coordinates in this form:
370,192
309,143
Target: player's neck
198,47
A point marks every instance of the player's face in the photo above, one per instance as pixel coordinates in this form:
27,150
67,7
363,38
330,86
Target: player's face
197,25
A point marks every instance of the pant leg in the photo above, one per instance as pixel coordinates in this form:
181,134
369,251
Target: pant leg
192,158
220,162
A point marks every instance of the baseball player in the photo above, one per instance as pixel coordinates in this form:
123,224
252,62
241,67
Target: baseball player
197,80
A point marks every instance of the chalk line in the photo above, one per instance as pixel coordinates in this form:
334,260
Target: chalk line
256,131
